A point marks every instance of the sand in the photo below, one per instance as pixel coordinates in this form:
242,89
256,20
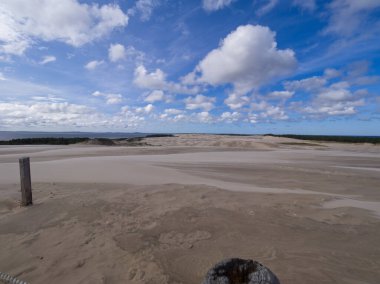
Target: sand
166,213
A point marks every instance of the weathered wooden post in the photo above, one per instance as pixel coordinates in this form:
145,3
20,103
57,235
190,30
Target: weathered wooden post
26,182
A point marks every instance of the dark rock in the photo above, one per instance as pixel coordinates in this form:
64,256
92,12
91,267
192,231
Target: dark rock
240,271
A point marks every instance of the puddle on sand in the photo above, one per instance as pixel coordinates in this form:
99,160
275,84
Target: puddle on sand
346,202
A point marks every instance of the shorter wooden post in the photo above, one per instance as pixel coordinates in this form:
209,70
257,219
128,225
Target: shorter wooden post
26,183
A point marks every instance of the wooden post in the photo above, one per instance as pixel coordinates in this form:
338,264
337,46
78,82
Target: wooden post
26,183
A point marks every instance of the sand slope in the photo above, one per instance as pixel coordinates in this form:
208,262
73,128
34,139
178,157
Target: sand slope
166,214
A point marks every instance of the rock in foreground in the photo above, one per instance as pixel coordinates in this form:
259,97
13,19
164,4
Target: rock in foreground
240,271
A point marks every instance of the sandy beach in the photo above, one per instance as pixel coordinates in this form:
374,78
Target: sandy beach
166,213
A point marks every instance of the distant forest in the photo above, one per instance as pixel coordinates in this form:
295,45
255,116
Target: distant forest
67,141
44,141
333,138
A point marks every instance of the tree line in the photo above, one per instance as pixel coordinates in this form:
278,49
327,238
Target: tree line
333,138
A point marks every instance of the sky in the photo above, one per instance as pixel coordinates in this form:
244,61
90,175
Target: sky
209,66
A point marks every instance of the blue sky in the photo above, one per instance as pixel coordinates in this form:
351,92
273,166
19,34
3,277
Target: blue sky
253,66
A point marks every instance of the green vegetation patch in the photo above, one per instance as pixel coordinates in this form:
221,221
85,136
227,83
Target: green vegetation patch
158,135
44,141
328,138
300,144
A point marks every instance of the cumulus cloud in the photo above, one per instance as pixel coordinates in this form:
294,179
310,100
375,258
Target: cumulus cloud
213,5
311,84
155,96
235,101
280,95
339,108
92,65
247,58
153,80
349,16
204,117
47,59
111,99
173,111
174,115
64,115
268,112
116,52
200,102
156,80
69,21
129,118
144,8
44,114
334,93
230,117
146,109
274,113
134,54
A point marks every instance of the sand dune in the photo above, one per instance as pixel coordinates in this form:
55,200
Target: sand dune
166,213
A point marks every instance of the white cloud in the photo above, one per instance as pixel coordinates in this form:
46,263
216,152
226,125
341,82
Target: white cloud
330,96
68,21
174,117
235,101
137,55
111,99
144,8
47,59
63,115
116,52
213,5
248,58
274,113
266,8
261,106
200,102
252,118
349,16
2,77
268,112
42,114
153,80
147,109
339,108
92,65
204,117
156,80
48,98
129,117
230,117
308,5
311,84
336,92
280,95
155,96
173,111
